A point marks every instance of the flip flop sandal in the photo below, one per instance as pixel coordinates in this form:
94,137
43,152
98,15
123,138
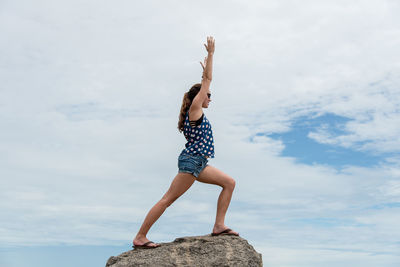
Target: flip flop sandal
145,245
225,232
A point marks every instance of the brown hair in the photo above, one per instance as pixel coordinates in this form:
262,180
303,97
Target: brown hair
186,102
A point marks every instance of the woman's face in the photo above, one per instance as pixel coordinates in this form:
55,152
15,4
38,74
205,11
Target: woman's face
206,101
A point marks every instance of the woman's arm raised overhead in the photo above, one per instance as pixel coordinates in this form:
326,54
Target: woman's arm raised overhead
207,75
207,66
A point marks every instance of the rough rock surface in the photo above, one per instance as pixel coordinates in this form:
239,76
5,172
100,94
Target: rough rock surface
223,250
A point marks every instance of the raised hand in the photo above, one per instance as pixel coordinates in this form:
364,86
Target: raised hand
210,47
207,65
203,65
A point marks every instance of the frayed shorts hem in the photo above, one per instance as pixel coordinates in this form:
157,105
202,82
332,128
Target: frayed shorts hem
194,174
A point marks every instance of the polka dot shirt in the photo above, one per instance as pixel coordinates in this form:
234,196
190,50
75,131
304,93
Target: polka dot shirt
199,138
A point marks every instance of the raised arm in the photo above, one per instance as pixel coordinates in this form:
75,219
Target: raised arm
207,66
206,79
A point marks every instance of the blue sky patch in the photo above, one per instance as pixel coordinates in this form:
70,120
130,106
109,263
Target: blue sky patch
387,205
308,151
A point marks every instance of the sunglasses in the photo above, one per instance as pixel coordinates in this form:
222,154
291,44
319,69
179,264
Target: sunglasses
209,95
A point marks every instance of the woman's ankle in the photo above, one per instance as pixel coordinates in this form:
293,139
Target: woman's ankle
140,236
219,225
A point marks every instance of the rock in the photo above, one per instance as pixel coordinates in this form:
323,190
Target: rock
223,250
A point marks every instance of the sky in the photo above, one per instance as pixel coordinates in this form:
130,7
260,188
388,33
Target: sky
305,113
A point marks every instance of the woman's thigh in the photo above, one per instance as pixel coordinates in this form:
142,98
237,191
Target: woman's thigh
212,175
181,183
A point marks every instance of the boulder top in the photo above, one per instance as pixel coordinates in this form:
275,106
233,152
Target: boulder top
207,250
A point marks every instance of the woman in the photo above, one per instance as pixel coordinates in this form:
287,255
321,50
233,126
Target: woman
192,161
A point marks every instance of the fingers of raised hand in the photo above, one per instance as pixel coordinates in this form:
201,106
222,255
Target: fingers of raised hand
204,64
210,43
201,63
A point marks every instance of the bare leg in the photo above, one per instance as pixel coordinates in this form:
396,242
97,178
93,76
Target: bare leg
212,175
181,183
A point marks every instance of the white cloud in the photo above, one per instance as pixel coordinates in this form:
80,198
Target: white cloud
89,104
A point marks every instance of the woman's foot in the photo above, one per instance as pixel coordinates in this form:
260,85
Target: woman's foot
220,228
139,241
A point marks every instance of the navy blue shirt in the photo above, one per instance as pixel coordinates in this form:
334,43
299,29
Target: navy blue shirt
199,137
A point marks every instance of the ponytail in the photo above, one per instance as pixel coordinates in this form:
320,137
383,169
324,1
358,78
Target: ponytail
186,103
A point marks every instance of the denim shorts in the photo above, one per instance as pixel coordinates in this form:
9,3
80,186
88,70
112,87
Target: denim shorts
191,163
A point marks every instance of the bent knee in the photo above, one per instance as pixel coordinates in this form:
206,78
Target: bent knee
230,183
